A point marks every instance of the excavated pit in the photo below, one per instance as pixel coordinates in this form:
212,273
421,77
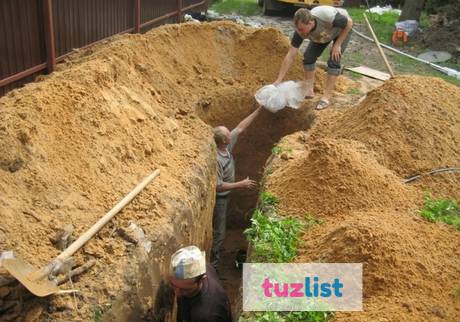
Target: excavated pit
76,141
251,152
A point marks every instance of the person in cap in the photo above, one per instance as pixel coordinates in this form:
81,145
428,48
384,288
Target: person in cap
321,25
225,142
200,297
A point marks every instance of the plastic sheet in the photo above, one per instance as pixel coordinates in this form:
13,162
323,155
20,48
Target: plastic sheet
275,98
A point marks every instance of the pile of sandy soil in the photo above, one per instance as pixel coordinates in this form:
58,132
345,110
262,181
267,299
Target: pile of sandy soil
349,170
411,123
410,265
338,177
74,143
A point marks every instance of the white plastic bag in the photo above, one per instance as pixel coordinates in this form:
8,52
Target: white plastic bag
409,26
275,98
381,10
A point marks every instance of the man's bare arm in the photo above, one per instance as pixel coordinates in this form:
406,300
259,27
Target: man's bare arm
226,186
243,125
286,64
336,52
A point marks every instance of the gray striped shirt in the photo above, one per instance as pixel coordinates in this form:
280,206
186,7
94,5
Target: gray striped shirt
226,164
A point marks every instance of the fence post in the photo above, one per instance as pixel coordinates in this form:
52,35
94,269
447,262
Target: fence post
137,16
49,35
179,10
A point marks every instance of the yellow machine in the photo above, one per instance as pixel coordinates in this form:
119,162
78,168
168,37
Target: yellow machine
270,6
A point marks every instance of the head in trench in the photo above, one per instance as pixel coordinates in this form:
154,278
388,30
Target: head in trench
200,297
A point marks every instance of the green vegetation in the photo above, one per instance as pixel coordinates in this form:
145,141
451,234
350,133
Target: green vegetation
100,310
445,210
354,91
273,239
288,317
276,150
269,199
383,26
240,7
310,221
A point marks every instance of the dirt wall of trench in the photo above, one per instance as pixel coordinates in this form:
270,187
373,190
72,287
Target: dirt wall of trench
75,142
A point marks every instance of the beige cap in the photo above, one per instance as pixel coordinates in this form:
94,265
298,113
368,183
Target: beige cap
188,262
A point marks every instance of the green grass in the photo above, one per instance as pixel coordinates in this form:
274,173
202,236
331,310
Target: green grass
383,26
240,7
288,317
354,91
445,210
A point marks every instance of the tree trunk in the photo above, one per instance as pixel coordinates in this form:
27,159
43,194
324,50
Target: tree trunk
412,10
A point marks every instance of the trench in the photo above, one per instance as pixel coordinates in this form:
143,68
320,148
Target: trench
134,283
251,152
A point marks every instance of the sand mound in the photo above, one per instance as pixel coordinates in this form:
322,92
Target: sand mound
441,185
337,176
411,122
349,169
407,261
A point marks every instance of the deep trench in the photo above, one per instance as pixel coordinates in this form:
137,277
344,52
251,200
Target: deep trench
251,152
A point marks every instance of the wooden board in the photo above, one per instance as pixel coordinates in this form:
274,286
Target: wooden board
367,71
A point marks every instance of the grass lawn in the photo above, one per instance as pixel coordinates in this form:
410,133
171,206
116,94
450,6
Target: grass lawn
383,26
240,7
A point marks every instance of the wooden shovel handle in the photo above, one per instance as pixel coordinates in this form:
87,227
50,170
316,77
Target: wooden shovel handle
377,43
76,245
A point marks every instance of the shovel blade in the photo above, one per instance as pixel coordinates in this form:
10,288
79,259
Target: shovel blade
22,271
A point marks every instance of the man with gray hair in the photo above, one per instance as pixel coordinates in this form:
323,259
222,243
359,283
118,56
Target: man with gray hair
225,141
322,25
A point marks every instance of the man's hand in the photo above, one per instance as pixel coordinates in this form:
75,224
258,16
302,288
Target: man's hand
247,183
336,52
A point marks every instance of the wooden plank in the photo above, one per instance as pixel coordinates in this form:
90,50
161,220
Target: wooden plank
367,71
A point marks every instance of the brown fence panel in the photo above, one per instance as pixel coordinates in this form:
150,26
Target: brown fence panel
76,24
157,12
21,43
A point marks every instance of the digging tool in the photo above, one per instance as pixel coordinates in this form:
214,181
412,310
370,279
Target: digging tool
378,46
37,281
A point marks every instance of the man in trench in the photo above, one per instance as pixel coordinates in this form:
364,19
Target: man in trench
322,25
225,141
200,297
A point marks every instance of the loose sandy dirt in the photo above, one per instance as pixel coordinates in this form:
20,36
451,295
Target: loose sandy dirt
78,140
349,170
74,143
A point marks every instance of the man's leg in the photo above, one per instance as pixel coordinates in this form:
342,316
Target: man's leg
333,71
310,56
219,223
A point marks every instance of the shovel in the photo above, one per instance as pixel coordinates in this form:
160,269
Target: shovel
37,281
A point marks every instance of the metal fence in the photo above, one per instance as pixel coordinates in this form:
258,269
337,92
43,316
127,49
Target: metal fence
37,34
